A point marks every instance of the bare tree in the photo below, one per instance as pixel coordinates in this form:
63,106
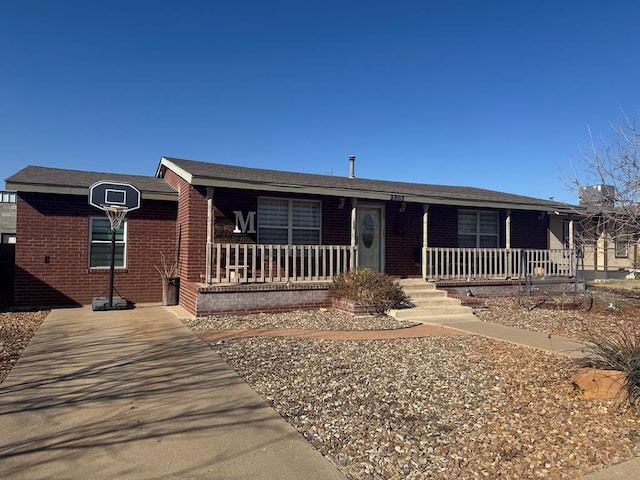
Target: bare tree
608,184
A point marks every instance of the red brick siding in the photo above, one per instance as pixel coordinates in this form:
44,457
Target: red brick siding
191,227
529,230
56,227
443,226
335,221
404,239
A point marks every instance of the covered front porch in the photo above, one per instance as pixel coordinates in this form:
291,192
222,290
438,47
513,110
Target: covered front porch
257,263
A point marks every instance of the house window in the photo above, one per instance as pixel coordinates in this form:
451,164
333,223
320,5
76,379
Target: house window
7,197
100,244
288,221
477,229
622,247
8,238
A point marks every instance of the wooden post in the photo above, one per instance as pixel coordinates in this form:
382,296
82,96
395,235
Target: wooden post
425,238
210,233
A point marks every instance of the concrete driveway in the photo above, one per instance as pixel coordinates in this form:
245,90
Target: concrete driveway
135,395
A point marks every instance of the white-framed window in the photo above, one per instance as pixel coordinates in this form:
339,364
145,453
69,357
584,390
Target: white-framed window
478,229
100,243
622,246
283,221
7,197
9,238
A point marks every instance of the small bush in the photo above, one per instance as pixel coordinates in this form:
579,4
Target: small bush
366,287
618,350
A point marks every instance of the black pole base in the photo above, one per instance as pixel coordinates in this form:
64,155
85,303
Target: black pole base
102,303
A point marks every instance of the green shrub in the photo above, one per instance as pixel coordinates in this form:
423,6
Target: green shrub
366,287
618,350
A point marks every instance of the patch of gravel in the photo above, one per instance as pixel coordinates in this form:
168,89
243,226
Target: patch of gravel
16,330
436,407
319,319
557,317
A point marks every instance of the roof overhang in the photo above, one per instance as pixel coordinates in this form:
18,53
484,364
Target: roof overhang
213,181
78,190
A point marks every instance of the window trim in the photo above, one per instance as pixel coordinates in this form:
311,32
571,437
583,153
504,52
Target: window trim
478,234
620,250
290,228
91,242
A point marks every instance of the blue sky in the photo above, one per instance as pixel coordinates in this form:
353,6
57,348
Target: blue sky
491,94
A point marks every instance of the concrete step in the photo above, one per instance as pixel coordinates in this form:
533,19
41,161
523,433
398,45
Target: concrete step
420,313
418,296
430,303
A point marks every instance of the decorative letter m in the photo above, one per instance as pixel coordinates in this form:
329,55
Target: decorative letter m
245,225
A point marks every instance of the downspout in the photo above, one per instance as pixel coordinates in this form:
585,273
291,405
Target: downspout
210,220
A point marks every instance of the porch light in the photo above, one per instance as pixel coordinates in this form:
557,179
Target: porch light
403,206
341,203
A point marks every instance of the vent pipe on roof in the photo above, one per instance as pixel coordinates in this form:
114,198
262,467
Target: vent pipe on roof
352,166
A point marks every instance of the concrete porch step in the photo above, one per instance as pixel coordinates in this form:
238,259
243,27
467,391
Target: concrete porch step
429,303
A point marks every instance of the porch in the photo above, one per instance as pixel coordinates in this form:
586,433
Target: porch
257,263
257,277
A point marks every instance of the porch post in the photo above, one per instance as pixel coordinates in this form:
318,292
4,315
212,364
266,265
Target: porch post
507,228
574,260
507,242
425,238
571,241
210,220
354,238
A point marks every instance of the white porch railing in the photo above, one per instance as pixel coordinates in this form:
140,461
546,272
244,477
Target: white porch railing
255,263
491,263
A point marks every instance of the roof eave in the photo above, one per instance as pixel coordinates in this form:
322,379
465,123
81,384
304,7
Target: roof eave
369,194
165,163
73,190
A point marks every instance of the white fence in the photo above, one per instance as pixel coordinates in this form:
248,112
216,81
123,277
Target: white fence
251,263
492,263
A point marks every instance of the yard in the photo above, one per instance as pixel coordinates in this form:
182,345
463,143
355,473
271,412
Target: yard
443,407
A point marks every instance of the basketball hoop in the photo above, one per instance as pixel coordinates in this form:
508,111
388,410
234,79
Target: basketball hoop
115,199
115,214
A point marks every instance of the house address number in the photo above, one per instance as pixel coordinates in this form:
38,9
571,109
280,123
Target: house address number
397,198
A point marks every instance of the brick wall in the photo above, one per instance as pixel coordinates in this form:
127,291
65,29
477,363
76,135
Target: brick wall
53,246
259,298
404,239
529,230
191,228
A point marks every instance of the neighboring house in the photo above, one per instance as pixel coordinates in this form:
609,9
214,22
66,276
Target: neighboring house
606,236
253,239
7,217
7,245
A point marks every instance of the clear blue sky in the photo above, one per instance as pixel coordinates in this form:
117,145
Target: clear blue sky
491,94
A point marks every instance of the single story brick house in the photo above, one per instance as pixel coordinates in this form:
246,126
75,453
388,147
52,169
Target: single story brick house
252,239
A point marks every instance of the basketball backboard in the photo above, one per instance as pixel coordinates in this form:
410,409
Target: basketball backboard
106,194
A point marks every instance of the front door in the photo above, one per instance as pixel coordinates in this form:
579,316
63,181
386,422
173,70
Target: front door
370,247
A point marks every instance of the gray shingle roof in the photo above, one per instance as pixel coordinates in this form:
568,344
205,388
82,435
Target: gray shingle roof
214,174
77,182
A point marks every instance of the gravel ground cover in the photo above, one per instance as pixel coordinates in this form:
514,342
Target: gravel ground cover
439,407
16,329
322,319
436,407
609,311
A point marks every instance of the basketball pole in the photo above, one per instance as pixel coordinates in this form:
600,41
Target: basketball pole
112,268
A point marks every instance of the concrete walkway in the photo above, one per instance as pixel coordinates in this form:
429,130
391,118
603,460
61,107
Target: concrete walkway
135,395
